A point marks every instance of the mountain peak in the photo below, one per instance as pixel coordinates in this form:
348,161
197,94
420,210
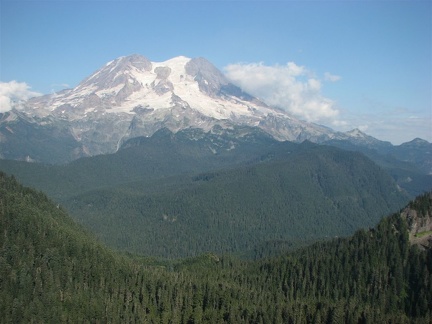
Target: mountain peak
181,59
131,82
132,96
124,63
138,61
113,73
357,137
357,133
417,141
209,78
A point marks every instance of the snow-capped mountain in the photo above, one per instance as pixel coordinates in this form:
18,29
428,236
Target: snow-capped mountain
132,96
131,83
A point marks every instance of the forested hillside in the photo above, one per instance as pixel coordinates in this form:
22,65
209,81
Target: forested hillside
246,191
52,271
145,159
297,197
166,154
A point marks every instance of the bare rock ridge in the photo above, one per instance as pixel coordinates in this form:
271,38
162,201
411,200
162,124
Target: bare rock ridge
420,222
210,80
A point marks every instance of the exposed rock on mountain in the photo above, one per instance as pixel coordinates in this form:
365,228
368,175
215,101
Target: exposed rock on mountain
419,218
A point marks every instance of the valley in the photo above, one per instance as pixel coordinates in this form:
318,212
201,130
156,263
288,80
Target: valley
51,268
157,196
160,192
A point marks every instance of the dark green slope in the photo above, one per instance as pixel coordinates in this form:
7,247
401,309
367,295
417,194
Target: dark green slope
52,272
296,196
408,164
241,188
375,271
22,138
189,151
145,159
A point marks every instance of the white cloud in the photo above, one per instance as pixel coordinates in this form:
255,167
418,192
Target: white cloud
331,77
13,92
290,87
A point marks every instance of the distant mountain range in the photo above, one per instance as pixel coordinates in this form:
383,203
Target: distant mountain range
132,96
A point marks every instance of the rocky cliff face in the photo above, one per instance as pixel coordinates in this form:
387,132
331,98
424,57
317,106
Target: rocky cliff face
419,218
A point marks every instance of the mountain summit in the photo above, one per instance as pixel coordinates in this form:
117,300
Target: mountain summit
133,83
132,96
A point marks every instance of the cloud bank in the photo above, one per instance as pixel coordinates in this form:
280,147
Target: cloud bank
289,87
13,92
298,91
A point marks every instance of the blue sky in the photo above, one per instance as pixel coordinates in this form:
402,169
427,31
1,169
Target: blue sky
345,64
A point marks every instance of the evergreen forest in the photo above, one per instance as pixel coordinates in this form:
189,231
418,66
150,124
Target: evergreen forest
54,271
184,194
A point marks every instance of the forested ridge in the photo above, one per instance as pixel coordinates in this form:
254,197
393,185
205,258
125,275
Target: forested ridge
52,271
297,197
248,193
157,198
